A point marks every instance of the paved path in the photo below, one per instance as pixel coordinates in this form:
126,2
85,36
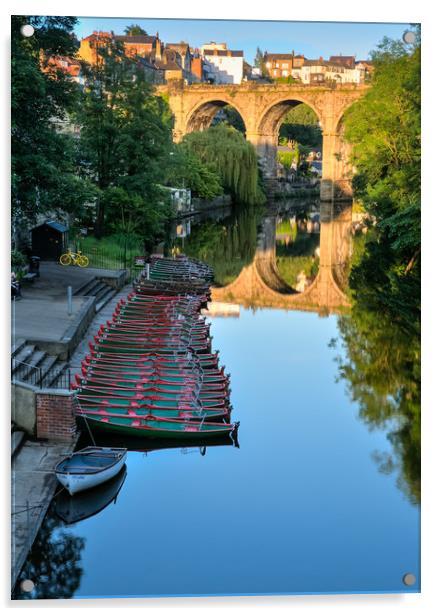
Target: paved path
42,311
46,319
33,486
55,278
102,316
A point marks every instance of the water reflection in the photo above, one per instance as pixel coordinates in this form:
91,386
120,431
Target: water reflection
72,509
381,366
54,563
294,255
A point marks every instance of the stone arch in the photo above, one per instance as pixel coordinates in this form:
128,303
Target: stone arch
201,115
270,119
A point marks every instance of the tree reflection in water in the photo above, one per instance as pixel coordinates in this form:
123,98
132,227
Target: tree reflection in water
53,563
381,364
227,245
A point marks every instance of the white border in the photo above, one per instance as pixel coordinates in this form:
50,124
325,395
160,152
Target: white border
317,10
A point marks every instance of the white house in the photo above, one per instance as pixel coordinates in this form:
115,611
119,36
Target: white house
223,65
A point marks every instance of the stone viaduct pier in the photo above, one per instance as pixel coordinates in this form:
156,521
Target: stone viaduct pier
262,108
260,284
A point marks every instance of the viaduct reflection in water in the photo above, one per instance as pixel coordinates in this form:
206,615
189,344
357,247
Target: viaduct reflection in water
259,284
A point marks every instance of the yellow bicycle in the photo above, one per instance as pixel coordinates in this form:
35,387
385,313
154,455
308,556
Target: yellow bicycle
74,258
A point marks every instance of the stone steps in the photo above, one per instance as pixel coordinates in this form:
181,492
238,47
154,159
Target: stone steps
99,289
36,367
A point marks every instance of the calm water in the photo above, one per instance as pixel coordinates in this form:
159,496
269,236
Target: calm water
301,506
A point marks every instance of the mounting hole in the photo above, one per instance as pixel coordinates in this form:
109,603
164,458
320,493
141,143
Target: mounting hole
409,579
409,37
27,586
27,30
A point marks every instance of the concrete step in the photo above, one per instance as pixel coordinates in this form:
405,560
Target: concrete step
101,290
109,294
17,439
17,346
23,355
86,287
47,364
30,372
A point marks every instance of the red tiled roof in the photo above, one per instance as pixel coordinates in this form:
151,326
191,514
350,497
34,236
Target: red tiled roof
279,56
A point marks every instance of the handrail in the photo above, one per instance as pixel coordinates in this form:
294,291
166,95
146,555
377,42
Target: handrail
60,377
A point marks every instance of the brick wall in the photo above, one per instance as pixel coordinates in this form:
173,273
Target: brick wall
55,417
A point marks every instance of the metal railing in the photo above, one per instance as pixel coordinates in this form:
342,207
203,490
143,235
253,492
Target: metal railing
55,378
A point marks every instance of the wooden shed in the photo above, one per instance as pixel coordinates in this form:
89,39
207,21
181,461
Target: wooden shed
49,240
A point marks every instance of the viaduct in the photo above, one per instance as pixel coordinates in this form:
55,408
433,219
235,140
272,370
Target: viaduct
262,108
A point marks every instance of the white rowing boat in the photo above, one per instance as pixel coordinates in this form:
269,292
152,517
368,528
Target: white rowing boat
89,467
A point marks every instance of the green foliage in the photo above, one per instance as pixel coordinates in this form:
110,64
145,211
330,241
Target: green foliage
225,151
384,128
286,158
259,62
43,159
381,338
18,259
186,170
135,30
301,124
125,140
113,251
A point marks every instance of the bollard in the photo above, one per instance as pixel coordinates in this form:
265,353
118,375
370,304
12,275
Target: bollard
147,271
69,300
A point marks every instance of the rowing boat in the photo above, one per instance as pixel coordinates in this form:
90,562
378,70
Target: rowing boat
89,467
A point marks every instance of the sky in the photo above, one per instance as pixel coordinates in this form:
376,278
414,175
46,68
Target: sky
313,39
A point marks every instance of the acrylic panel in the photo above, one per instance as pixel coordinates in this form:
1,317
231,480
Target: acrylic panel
215,287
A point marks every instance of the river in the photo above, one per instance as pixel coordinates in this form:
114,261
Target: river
315,497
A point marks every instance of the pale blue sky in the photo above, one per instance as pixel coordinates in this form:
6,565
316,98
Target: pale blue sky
314,39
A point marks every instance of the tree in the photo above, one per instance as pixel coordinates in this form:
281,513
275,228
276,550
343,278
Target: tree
301,124
44,177
259,62
234,159
126,138
135,30
186,170
384,129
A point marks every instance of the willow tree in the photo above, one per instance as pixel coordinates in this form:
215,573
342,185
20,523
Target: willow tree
226,151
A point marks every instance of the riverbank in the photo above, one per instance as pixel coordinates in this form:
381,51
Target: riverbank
33,486
42,318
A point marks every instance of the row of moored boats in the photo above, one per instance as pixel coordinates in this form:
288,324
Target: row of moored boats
151,371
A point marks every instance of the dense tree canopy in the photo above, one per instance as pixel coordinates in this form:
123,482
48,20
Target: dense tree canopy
227,152
44,172
125,139
385,130
186,170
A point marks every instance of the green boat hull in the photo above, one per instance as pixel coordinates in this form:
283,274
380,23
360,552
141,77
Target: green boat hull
161,430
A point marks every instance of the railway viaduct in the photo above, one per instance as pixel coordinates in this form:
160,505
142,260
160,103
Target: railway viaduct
262,108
